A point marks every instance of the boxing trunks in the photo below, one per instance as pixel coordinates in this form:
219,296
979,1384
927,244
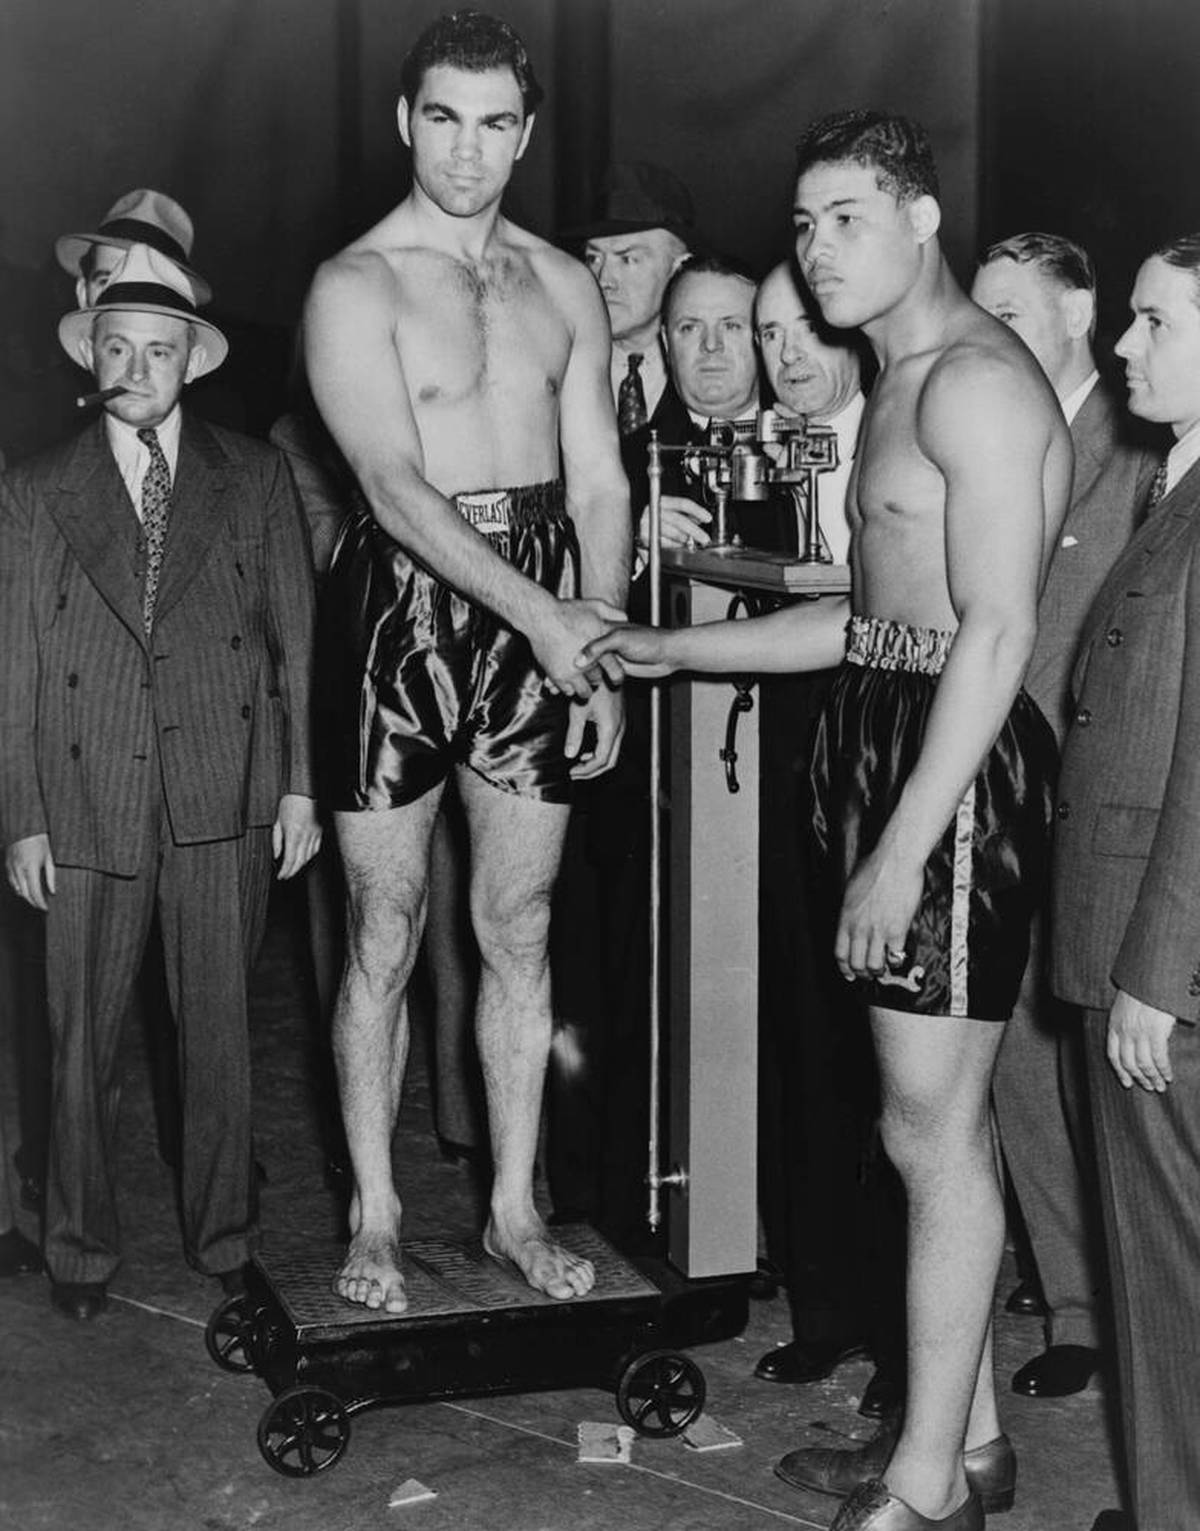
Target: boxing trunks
969,940
414,678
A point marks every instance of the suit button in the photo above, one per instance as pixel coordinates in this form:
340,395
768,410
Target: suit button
235,643
1083,717
75,752
1114,637
72,680
246,710
1063,811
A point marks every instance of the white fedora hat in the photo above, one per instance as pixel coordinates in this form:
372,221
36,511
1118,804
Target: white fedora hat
142,217
145,283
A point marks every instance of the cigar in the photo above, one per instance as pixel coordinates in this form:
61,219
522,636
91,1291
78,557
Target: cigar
86,400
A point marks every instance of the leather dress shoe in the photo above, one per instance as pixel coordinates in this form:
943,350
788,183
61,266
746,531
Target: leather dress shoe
80,1300
1113,1520
19,1256
991,1469
872,1507
883,1394
811,1361
1026,1300
1059,1371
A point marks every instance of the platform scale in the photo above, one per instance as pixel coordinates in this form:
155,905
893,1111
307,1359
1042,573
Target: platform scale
473,1328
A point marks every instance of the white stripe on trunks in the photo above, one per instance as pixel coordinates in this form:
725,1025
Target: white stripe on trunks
960,908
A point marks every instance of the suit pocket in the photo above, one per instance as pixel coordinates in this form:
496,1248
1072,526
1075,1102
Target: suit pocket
1124,831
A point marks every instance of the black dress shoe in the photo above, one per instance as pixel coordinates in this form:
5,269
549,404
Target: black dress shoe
80,1300
883,1394
18,1255
1113,1520
807,1361
1026,1301
1059,1371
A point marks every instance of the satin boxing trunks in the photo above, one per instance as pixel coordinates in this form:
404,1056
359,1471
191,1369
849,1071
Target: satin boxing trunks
414,678
969,940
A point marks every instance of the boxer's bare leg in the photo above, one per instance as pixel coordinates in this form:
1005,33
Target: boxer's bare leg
386,859
516,845
936,1078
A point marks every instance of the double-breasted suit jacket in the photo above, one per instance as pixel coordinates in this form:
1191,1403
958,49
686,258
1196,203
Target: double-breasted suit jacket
1126,914
155,766
222,685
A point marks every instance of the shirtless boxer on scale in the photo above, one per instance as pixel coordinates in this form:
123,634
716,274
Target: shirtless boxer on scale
452,357
931,772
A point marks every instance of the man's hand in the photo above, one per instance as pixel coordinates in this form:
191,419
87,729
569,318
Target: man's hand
1139,1043
30,868
559,639
642,652
605,708
877,910
295,834
683,523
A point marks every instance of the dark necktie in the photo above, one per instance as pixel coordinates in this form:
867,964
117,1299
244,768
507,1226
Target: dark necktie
1158,486
156,499
631,398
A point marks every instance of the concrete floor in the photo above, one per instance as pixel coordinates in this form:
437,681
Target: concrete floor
126,1425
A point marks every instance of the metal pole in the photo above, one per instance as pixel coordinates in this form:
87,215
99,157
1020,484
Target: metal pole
654,574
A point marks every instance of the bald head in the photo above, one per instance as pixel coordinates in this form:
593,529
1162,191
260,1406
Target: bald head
810,368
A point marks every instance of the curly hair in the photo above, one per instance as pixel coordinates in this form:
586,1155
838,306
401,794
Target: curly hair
474,41
896,148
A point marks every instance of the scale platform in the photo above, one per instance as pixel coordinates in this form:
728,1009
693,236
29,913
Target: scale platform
472,1328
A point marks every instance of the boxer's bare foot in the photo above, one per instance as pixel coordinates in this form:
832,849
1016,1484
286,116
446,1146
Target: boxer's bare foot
546,1266
370,1274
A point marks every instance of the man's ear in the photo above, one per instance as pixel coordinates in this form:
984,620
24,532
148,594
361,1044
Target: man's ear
525,132
403,121
926,217
1079,312
197,356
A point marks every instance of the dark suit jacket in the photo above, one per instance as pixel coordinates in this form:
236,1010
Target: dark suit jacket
1127,853
1113,469
224,680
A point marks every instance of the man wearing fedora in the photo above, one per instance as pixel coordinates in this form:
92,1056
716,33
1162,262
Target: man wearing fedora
156,616
144,217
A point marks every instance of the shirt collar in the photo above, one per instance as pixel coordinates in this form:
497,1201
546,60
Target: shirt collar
123,439
1182,456
1078,397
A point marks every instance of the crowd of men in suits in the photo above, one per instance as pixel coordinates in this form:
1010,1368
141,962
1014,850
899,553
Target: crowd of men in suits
156,620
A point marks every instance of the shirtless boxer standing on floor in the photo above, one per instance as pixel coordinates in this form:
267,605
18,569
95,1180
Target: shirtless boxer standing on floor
453,356
932,769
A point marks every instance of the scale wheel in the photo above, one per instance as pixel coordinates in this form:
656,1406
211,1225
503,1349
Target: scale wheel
661,1393
303,1431
229,1335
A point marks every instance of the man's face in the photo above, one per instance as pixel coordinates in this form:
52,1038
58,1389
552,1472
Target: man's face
1034,306
858,247
149,355
810,375
466,130
105,263
710,344
632,270
1161,348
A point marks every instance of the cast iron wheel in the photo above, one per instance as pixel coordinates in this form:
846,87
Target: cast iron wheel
661,1393
304,1431
229,1334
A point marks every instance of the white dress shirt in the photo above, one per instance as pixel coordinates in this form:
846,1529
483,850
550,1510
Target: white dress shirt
133,457
1182,456
1078,397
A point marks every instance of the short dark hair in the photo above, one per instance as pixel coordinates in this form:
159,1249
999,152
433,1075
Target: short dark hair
474,41
1184,253
1055,255
705,265
896,148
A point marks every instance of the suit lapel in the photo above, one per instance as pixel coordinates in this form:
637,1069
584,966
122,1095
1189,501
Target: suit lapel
1092,432
199,505
94,515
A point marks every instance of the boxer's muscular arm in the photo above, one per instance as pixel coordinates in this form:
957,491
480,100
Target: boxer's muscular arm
988,434
357,380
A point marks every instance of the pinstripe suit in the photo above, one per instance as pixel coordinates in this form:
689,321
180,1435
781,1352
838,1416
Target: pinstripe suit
1126,913
155,768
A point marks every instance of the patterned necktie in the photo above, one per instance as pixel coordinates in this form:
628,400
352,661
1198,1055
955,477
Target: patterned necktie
631,398
1158,486
156,499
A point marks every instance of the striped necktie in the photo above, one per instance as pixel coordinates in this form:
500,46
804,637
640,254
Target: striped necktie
156,500
631,398
1158,486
